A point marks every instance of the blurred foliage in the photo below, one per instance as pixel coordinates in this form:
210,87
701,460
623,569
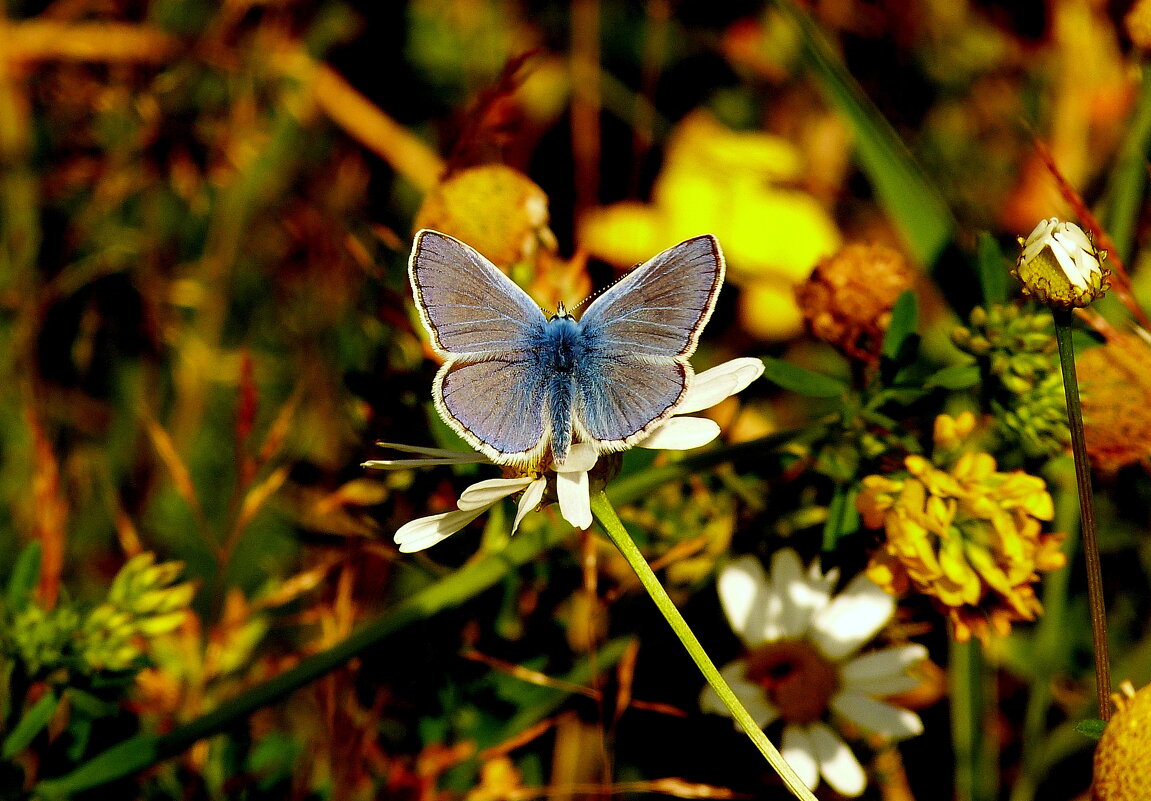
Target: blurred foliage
205,321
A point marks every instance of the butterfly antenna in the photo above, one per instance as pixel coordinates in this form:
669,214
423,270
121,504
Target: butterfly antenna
599,292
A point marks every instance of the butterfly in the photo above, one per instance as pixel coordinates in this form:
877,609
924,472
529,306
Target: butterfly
516,382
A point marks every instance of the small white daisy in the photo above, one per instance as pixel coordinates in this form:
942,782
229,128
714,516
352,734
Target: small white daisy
801,665
1060,265
572,484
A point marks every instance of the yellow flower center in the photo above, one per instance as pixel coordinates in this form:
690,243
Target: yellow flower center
798,679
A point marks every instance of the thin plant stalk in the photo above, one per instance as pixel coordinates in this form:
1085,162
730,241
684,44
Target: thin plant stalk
972,698
1098,612
604,512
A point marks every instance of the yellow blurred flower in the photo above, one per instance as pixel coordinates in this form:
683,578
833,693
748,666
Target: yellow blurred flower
499,210
500,780
963,532
739,186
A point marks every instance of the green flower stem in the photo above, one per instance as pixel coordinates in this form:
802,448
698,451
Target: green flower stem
976,762
1086,512
604,512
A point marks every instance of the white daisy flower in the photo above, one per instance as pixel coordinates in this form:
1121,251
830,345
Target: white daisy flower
572,483
802,666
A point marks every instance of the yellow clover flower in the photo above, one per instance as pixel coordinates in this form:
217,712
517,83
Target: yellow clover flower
963,532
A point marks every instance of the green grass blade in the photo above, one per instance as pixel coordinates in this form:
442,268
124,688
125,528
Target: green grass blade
29,726
919,213
1128,179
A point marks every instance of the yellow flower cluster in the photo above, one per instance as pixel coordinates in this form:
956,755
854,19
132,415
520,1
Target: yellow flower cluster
963,532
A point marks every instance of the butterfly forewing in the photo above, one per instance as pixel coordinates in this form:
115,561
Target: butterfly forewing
468,306
660,308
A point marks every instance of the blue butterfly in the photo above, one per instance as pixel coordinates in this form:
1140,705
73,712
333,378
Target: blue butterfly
516,383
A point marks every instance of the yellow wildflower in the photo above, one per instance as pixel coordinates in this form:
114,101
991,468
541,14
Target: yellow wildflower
741,186
963,532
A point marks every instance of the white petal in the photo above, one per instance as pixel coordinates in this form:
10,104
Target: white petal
798,751
486,493
575,503
1088,264
747,599
581,457
852,618
681,434
412,464
529,500
722,381
1074,237
424,532
837,764
882,672
821,584
751,695
1066,261
788,580
432,457
876,716
1041,229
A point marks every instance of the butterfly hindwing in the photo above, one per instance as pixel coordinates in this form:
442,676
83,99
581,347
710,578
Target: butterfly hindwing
623,397
660,307
498,405
468,306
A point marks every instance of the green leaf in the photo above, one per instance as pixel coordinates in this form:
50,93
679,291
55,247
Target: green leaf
802,381
922,218
904,319
958,376
33,722
1092,728
842,516
993,270
1125,184
25,574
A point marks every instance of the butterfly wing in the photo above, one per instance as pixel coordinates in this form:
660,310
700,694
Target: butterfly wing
641,332
490,390
622,398
469,307
498,406
660,308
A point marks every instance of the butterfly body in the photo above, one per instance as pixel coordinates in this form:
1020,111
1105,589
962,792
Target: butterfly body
516,384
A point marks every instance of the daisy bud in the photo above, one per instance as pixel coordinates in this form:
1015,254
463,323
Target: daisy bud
1123,750
1060,266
